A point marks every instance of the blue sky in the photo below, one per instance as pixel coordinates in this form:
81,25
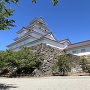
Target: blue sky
68,19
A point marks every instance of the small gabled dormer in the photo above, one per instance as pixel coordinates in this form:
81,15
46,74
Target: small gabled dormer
65,42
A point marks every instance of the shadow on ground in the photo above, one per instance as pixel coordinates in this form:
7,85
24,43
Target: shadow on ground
7,86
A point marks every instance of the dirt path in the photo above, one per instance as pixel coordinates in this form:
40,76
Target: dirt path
46,83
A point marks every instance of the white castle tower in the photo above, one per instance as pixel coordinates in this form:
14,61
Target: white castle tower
36,33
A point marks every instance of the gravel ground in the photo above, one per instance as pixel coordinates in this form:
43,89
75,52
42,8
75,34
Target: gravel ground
46,83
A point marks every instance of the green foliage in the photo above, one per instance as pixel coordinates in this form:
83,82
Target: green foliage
85,64
10,59
62,64
22,59
27,59
34,1
2,61
54,2
13,1
6,13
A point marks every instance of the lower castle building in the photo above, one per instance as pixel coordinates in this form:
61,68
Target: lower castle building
37,33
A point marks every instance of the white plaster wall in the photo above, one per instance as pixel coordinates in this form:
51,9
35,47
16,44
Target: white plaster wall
46,41
42,27
30,44
79,53
65,44
35,35
40,31
50,37
35,43
53,44
22,33
21,43
37,26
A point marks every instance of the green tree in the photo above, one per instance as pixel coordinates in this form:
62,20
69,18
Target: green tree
85,64
27,59
10,62
10,59
2,61
23,60
62,64
5,13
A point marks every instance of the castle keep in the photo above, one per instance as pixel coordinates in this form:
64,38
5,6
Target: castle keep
37,33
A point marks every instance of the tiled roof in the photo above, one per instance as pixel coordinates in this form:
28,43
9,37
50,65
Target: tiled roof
38,19
62,41
21,40
79,44
22,30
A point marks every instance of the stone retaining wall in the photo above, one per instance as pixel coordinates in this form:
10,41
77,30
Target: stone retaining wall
49,57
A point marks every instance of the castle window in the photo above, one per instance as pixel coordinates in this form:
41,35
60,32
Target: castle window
83,50
40,23
39,27
74,51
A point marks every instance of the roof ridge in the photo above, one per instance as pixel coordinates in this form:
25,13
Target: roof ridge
80,42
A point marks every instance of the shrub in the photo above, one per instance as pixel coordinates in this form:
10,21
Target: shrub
62,65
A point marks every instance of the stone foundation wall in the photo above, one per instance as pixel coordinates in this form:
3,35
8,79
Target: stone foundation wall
75,64
87,57
49,57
